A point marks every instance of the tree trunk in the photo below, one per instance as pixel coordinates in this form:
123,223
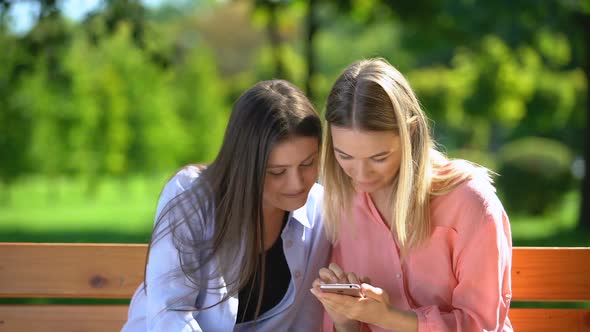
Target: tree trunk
584,222
275,40
312,27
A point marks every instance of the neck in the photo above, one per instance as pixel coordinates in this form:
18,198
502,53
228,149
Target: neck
273,224
384,203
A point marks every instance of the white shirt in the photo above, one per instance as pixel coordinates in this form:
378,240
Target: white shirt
306,250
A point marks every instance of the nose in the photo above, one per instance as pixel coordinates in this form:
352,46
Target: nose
362,170
295,182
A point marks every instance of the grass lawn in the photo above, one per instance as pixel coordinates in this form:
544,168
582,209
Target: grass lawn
39,210
62,211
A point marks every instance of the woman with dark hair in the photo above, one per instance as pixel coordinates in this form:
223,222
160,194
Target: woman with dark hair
236,244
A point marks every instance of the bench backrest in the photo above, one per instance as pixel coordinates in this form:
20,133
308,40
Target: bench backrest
113,271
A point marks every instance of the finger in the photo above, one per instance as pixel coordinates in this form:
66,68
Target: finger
352,278
337,271
340,303
328,275
365,280
316,293
375,293
316,283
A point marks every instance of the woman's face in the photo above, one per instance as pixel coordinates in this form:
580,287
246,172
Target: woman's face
370,158
291,171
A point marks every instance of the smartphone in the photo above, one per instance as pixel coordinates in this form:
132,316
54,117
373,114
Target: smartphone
343,289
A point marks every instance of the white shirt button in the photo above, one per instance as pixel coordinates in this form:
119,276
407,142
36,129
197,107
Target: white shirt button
297,274
399,275
288,244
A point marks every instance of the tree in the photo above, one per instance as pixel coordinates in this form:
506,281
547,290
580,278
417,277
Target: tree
583,19
115,12
271,9
202,106
14,122
127,117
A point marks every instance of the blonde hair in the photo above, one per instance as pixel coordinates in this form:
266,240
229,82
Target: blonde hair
372,95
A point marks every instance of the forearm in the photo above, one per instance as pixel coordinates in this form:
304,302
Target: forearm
351,326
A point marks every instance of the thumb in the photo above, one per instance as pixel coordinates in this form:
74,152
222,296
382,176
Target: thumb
375,293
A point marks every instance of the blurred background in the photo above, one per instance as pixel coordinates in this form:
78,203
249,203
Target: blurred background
101,101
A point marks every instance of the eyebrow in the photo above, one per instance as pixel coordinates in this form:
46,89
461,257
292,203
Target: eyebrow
380,154
304,160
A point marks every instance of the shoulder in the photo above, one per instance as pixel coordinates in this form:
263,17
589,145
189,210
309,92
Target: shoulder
316,195
180,182
315,199
470,204
477,192
313,223
310,214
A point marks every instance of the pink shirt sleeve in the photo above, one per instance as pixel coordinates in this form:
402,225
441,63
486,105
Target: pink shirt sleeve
481,299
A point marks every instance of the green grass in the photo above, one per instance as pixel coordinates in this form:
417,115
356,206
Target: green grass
39,210
122,211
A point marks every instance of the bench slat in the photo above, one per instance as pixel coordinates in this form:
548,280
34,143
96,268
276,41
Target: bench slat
551,274
63,318
70,270
90,318
115,270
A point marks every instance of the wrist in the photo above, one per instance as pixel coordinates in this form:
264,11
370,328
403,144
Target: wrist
350,326
400,320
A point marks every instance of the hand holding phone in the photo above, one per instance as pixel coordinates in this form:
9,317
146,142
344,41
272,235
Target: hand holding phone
342,289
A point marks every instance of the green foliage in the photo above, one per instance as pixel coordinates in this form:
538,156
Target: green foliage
202,107
341,42
107,108
498,86
128,122
294,64
534,174
479,157
14,123
48,105
133,90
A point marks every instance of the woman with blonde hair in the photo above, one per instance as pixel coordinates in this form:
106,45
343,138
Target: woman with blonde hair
427,234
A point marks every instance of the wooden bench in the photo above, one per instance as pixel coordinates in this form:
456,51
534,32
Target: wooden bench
113,271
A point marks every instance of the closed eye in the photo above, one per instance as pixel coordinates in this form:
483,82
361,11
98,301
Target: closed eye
308,163
275,173
379,160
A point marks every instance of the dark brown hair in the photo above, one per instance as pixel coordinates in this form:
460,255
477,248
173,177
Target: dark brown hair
218,218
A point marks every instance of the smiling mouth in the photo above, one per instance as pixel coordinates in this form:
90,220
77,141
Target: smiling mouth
295,194
366,184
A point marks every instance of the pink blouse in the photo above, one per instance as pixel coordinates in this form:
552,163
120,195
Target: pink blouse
459,280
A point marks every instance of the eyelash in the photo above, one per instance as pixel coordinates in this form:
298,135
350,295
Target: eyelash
308,164
375,160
